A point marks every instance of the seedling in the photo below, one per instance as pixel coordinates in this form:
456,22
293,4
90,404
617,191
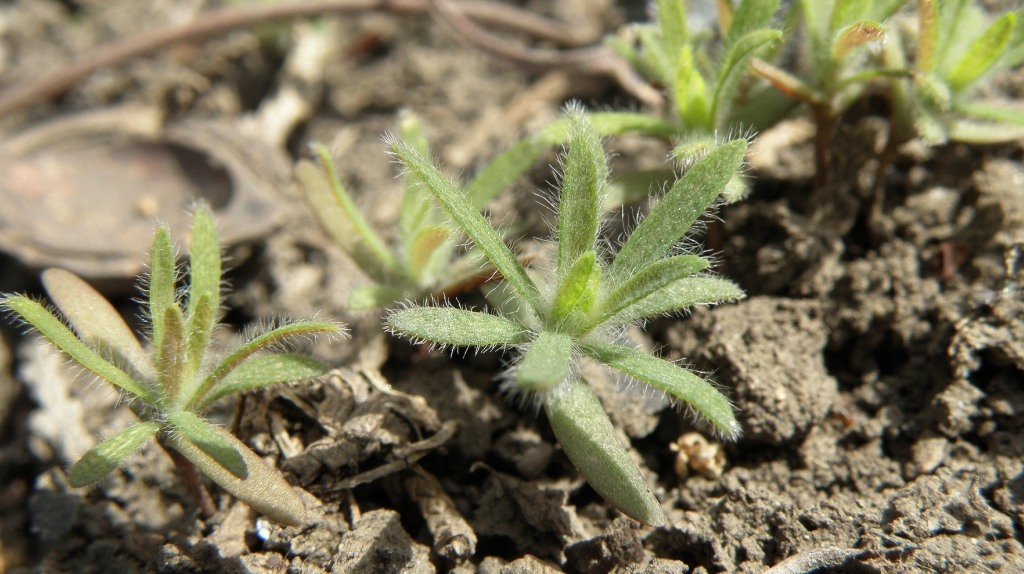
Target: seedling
170,384
956,46
558,318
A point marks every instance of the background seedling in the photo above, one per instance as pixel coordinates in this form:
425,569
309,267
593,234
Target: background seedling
173,382
559,317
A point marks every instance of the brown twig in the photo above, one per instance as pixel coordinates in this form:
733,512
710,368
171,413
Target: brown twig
49,86
593,59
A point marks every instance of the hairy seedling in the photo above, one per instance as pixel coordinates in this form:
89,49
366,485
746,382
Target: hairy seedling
173,381
561,317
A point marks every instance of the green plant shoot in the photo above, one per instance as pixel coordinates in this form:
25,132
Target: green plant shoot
171,384
575,312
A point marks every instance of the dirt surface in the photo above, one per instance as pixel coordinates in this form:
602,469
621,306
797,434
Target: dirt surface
877,363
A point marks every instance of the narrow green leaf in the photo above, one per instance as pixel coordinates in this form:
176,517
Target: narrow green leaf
338,214
172,357
204,261
96,321
674,380
589,440
425,250
817,20
690,92
732,70
273,338
261,371
927,34
579,209
374,296
471,221
513,163
983,52
264,489
672,23
975,132
546,363
200,329
201,433
576,293
682,294
651,279
57,333
455,327
675,213
161,283
110,453
991,112
749,16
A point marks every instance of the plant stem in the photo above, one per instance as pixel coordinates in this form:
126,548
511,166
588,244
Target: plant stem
194,482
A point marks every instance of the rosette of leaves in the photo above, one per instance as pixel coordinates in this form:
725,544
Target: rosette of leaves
955,45
172,382
558,318
426,258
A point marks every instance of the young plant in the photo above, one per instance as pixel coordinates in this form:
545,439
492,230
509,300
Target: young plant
577,311
173,382
955,45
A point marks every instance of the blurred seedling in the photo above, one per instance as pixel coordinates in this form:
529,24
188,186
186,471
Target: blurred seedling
955,45
170,384
558,318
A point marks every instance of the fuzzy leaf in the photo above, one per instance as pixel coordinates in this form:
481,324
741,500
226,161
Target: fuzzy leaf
161,283
470,221
734,67
856,35
96,321
648,281
201,328
979,132
675,213
583,183
682,294
576,292
589,440
425,249
983,52
200,433
690,92
749,16
455,327
674,380
264,489
110,453
672,23
204,262
57,333
261,371
374,296
341,218
416,201
546,363
273,338
172,356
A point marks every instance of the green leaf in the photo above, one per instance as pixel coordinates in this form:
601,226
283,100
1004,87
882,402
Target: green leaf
261,371
426,250
682,294
264,489
749,16
589,440
110,453
57,333
416,201
968,131
201,328
672,23
995,113
579,209
674,380
161,283
983,52
172,357
273,338
204,262
675,213
576,293
201,433
470,221
546,363
651,279
734,67
690,93
513,163
338,214
96,321
455,327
